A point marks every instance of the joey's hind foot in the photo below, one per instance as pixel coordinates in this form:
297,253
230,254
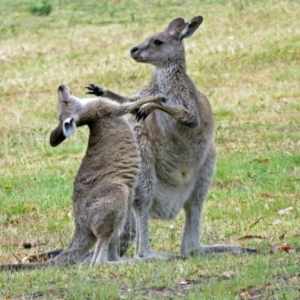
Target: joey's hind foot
94,89
156,255
123,261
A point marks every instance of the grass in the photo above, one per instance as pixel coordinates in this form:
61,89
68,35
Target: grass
245,58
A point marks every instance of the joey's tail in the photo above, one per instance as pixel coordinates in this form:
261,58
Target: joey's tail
65,258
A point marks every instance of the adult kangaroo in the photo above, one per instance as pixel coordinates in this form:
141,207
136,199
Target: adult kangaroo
176,142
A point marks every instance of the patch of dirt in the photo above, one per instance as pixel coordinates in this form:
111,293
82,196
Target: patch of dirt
289,282
183,286
54,293
267,292
258,292
180,289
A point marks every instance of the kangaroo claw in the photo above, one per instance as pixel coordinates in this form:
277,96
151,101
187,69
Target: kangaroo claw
94,89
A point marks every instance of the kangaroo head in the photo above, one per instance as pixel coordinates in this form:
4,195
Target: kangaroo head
166,48
68,113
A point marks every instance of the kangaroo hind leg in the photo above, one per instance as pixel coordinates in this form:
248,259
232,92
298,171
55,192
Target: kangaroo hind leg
190,244
83,240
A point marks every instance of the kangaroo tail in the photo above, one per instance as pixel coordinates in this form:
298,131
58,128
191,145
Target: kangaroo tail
20,267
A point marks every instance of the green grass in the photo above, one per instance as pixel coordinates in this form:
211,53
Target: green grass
245,58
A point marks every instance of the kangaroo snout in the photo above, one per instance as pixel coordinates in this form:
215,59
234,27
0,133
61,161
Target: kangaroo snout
135,53
62,87
133,50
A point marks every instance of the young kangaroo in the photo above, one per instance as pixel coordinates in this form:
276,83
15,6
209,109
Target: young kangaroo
104,185
176,142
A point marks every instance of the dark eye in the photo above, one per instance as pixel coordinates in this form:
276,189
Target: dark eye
158,42
66,102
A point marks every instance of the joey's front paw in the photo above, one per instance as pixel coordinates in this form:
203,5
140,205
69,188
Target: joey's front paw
157,100
161,99
144,111
94,89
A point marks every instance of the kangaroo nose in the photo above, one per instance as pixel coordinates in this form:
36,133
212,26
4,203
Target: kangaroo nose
134,49
61,88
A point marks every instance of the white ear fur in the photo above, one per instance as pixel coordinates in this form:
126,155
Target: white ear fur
190,28
68,127
185,33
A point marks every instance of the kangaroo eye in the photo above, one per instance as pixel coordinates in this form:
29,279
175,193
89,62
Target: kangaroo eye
66,102
158,42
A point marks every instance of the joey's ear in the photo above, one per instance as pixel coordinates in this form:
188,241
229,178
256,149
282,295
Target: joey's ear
57,136
190,27
62,131
68,127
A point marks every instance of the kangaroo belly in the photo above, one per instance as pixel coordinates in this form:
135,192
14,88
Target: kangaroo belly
169,199
175,176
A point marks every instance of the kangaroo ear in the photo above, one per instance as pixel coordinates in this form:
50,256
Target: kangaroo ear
57,136
176,25
62,131
190,27
68,127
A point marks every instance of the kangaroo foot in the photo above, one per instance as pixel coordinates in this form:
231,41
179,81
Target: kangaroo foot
156,255
221,249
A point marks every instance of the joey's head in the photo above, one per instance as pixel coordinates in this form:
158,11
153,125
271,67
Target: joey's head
68,113
166,48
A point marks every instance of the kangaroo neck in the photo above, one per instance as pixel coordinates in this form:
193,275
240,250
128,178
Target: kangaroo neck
168,77
100,131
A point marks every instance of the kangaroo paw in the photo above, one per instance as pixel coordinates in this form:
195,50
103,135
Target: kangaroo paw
144,111
94,89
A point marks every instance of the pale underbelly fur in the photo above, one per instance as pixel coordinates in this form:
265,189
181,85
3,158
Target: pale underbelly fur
168,198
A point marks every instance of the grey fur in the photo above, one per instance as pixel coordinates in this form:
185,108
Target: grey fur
176,143
104,185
